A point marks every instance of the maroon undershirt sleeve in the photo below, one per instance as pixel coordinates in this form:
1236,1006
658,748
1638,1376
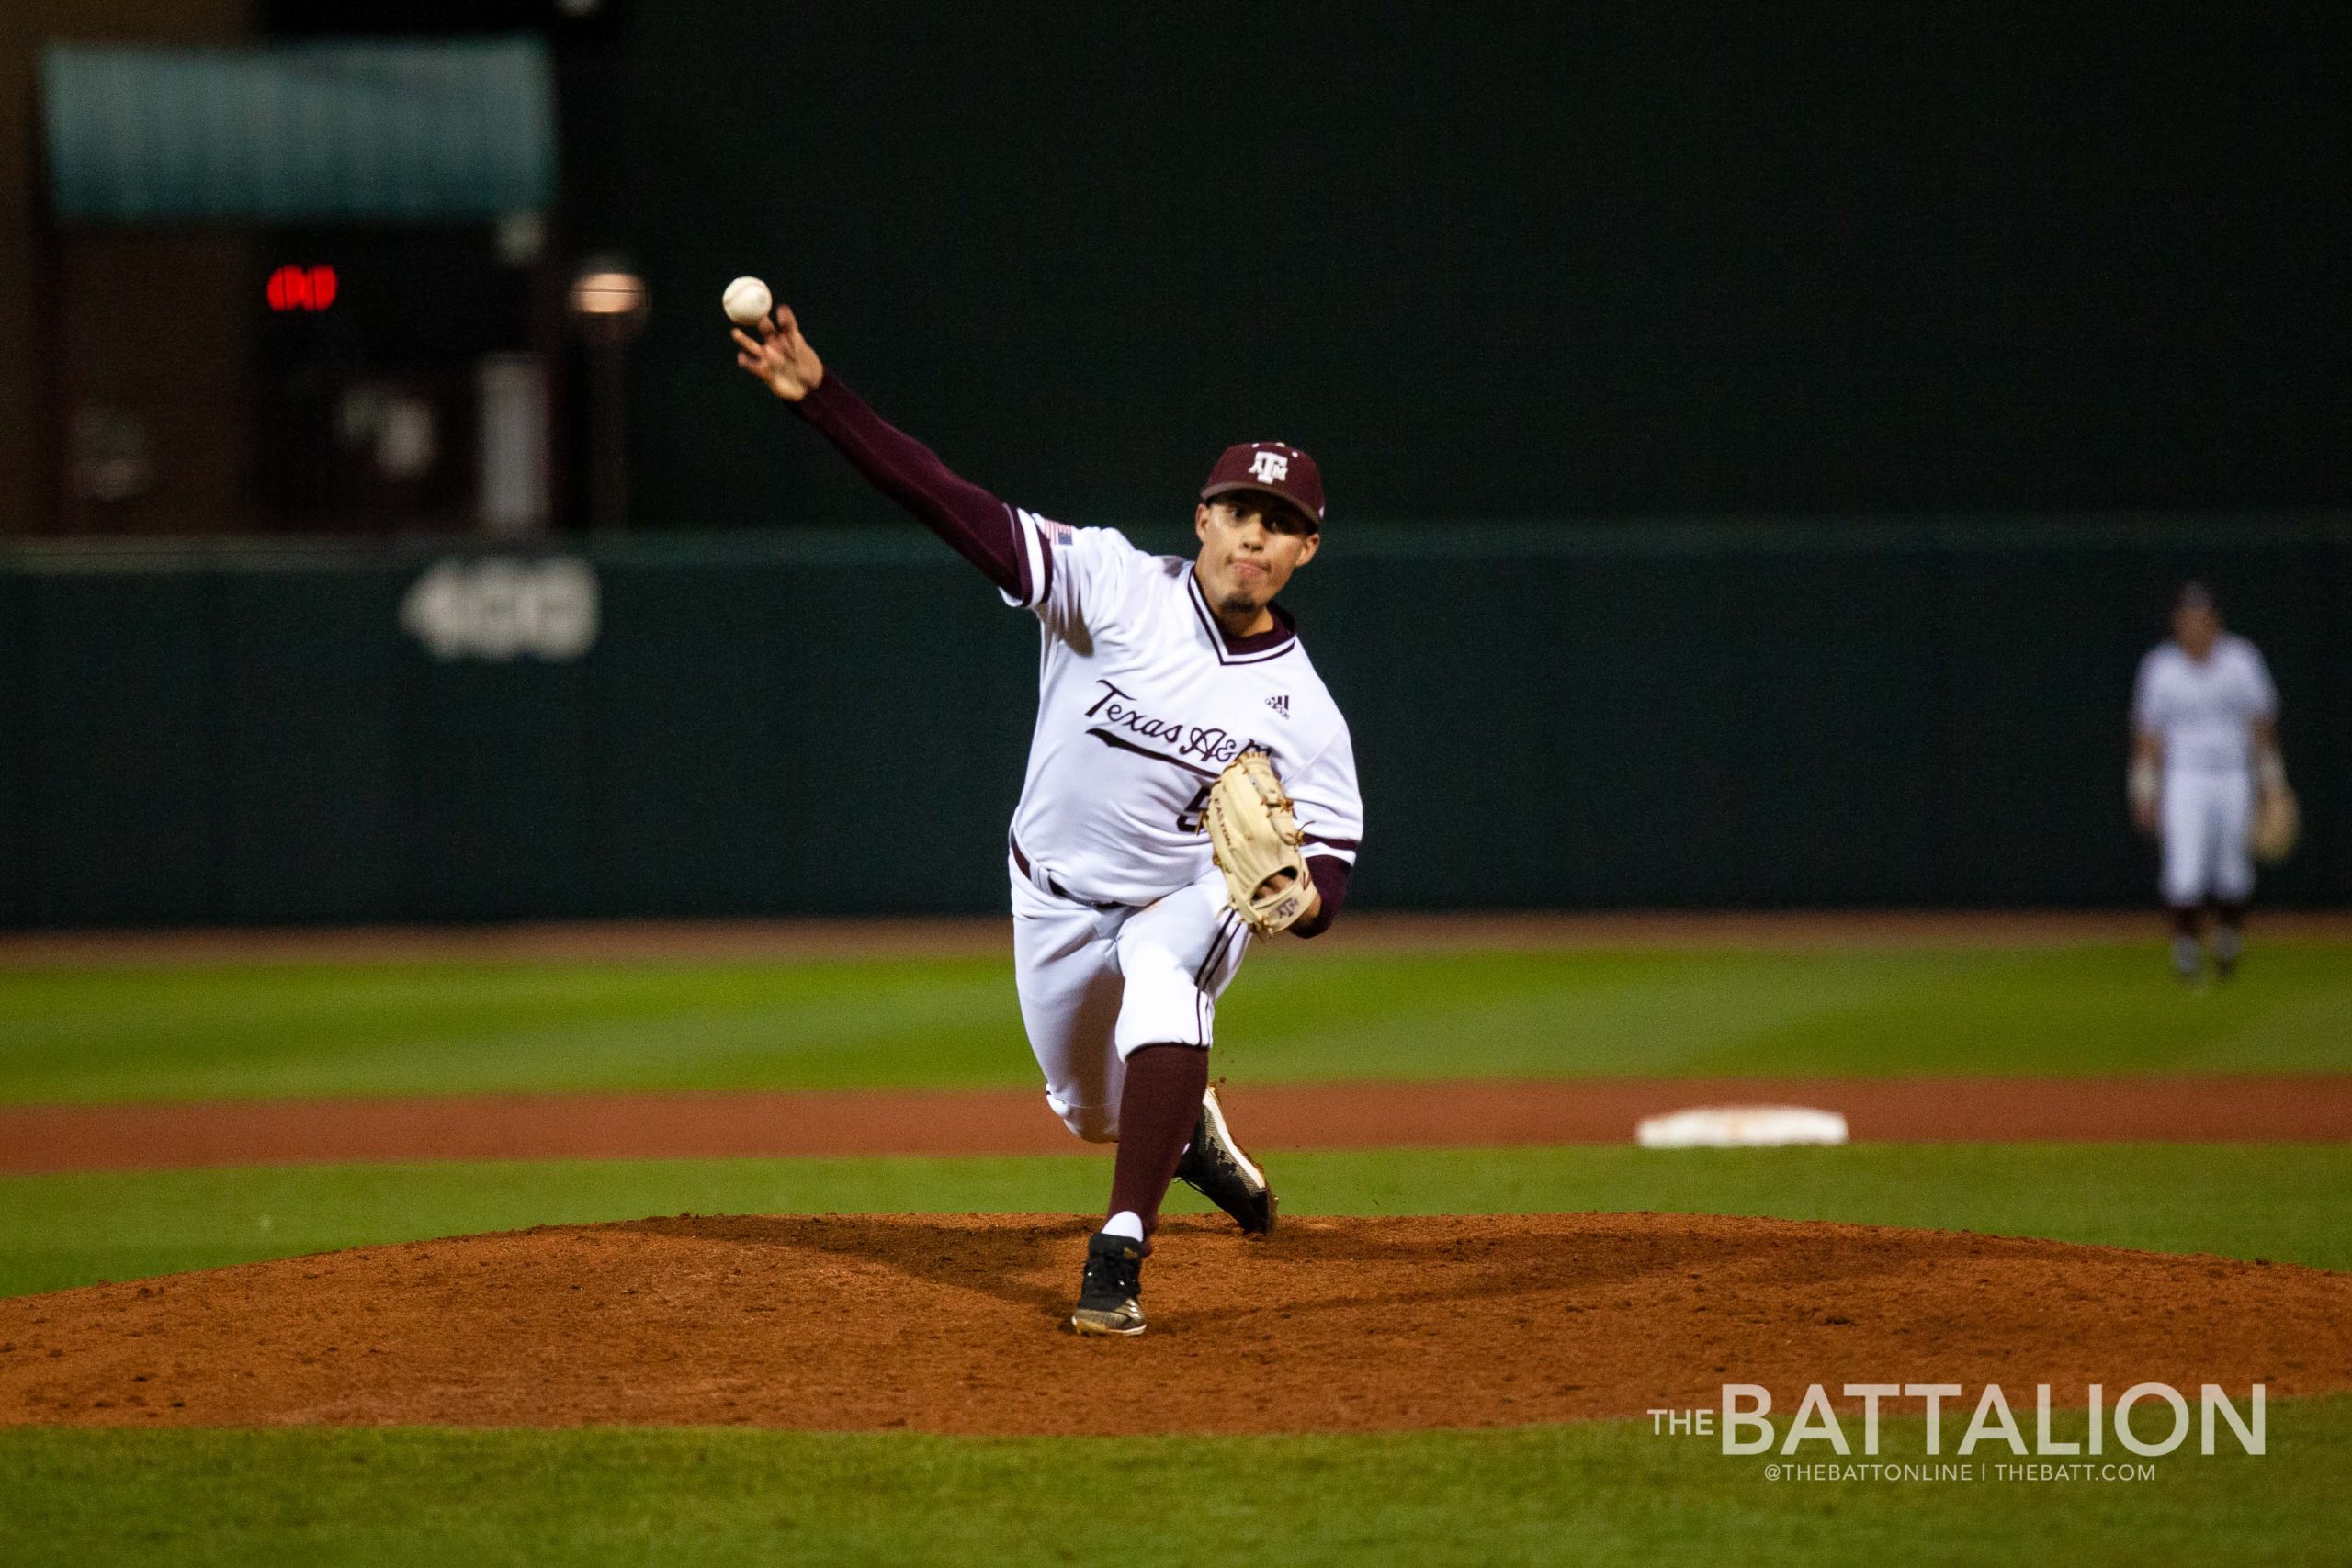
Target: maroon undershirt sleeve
977,524
1330,874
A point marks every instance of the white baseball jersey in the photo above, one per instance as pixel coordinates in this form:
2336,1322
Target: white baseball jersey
1142,701
2203,711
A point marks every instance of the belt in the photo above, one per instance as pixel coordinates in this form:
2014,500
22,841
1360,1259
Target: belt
1047,884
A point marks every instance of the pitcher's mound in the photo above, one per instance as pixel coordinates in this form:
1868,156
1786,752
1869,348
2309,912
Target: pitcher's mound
953,1323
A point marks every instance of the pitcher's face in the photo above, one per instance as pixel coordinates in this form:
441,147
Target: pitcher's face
1251,543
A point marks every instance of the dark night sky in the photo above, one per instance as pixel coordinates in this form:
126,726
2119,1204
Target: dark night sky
1496,259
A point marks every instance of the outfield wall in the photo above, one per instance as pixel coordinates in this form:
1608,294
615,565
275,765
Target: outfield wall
1589,715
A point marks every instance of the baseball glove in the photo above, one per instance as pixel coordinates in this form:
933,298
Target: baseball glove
2278,823
1254,835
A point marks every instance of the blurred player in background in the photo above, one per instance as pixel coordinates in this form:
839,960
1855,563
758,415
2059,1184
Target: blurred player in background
2204,744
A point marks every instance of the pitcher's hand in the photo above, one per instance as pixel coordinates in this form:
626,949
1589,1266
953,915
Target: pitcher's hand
780,356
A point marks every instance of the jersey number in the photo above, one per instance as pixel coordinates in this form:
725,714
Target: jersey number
1189,819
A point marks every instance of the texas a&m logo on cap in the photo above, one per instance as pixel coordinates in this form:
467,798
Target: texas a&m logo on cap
1275,467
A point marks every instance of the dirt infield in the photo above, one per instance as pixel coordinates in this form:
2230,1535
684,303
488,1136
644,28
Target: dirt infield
1015,1122
968,936
951,1324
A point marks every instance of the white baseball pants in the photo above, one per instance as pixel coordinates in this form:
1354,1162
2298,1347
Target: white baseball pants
1098,983
2205,819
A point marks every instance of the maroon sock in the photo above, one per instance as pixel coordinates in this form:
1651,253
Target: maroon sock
1158,1110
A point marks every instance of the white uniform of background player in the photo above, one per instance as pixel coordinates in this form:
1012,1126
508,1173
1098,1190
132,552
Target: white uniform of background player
1122,935
2202,714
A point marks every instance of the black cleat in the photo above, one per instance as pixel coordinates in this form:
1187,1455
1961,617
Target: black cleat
1214,1167
1107,1299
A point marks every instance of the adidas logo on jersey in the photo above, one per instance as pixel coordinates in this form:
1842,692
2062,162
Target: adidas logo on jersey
1281,705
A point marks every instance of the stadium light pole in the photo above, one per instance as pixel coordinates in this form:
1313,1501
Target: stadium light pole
607,303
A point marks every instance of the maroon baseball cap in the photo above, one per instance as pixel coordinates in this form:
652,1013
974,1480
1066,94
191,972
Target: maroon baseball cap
1275,467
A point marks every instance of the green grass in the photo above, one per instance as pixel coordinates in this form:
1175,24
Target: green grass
201,1032
1601,1492
2286,1203
1596,1492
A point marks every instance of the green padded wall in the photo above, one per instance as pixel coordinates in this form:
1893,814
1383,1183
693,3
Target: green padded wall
1696,714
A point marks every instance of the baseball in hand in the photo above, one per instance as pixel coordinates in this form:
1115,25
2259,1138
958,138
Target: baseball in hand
747,302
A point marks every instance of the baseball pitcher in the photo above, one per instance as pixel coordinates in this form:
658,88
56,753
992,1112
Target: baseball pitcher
1190,787
2205,777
